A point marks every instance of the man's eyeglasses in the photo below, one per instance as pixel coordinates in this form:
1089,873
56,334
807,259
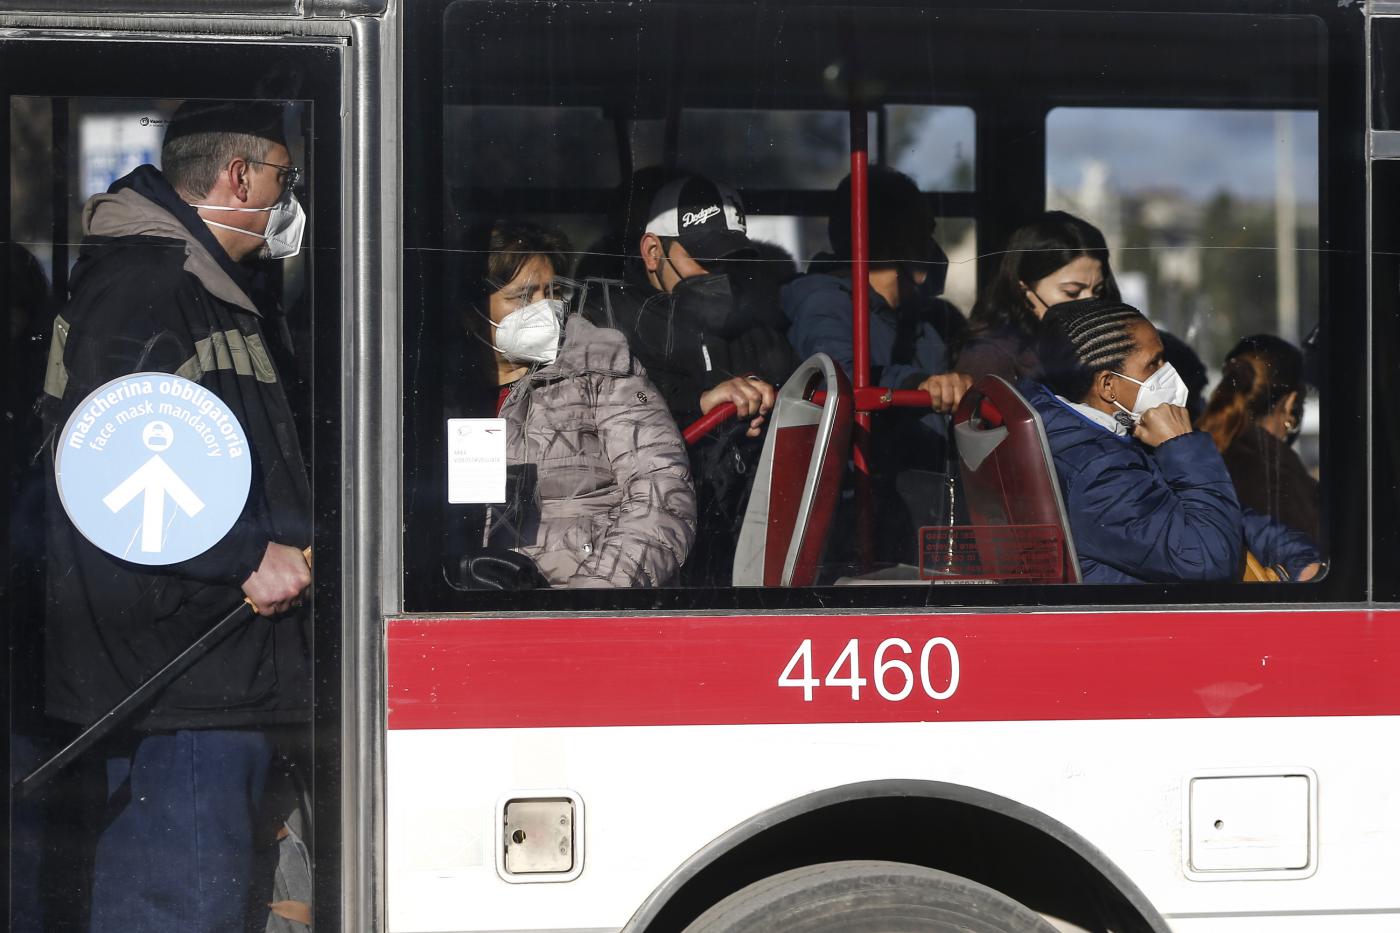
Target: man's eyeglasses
288,176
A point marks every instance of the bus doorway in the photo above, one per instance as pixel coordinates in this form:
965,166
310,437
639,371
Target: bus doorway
88,117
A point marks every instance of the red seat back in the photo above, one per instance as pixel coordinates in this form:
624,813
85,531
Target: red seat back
799,479
1013,496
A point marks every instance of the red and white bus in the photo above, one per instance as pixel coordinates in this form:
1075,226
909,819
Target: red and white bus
830,756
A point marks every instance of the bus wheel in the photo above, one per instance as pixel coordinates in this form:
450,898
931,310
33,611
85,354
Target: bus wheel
867,897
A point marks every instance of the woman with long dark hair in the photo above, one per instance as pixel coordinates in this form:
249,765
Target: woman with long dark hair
1148,498
1254,415
1053,259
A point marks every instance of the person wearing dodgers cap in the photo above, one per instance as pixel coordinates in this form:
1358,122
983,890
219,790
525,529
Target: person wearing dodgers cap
706,219
700,345
683,322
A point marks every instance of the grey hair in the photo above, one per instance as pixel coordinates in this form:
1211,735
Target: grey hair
1081,338
192,163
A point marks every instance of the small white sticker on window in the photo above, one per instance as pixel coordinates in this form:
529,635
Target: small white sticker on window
476,460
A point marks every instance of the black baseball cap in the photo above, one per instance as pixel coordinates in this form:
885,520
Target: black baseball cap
705,216
260,118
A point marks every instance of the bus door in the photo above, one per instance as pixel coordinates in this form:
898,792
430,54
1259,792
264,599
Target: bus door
79,114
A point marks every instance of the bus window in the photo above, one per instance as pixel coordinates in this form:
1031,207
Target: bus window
504,142
1212,217
937,146
805,149
985,150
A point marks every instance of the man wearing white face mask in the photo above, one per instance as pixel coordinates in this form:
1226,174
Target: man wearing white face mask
159,287
1148,499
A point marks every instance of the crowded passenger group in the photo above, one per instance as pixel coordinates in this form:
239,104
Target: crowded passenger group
603,362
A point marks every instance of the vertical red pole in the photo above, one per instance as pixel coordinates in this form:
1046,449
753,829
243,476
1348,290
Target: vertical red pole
860,327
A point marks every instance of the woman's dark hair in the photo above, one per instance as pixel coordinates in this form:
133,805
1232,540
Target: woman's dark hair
1259,373
1081,338
500,249
1050,242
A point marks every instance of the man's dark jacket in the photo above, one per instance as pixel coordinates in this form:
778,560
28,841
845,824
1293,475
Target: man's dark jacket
681,359
154,292
1164,514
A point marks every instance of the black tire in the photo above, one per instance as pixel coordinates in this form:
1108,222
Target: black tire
867,897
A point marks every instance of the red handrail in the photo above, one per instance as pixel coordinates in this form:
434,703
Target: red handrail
878,398
707,423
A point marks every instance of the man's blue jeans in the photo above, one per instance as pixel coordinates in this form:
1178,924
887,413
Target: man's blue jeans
179,850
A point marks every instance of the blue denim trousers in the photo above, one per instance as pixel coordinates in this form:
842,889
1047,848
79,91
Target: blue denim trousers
179,852
26,836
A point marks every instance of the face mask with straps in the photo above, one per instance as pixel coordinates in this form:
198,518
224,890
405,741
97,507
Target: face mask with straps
1164,387
285,225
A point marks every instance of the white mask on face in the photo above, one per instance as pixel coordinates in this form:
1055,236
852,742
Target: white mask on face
1162,387
531,335
282,238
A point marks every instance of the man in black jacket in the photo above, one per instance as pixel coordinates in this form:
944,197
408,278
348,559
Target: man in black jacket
694,315
158,287
701,344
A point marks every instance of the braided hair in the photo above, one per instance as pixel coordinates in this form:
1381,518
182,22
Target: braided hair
1081,338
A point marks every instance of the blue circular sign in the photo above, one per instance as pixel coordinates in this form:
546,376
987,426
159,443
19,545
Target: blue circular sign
153,468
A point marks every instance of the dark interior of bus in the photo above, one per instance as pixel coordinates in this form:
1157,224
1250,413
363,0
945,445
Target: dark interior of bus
543,112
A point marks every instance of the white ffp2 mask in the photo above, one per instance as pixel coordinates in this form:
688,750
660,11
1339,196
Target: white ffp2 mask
531,334
285,226
1164,387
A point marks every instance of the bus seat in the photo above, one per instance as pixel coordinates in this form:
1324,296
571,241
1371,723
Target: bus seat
798,480
1009,480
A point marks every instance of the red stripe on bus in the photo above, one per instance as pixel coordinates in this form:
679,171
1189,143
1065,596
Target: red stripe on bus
512,673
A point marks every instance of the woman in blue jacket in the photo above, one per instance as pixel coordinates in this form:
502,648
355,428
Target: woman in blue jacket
1148,498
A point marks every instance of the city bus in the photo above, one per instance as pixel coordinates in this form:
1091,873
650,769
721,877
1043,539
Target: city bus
841,753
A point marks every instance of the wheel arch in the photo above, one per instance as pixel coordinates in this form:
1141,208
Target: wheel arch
945,826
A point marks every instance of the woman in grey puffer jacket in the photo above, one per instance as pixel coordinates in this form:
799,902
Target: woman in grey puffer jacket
614,505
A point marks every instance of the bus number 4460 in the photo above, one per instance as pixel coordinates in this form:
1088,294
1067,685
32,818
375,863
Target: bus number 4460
894,677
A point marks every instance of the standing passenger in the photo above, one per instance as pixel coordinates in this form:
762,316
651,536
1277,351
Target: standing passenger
157,284
905,345
908,448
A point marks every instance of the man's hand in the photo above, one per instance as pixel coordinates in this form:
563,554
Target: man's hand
945,390
281,578
751,396
1161,424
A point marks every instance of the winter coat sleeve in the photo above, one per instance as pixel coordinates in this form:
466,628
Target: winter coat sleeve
821,323
901,375
1277,545
655,526
1184,525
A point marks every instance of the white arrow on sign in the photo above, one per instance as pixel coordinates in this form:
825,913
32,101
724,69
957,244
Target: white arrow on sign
156,480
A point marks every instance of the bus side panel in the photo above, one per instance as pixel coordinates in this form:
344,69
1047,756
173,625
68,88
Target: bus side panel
672,731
